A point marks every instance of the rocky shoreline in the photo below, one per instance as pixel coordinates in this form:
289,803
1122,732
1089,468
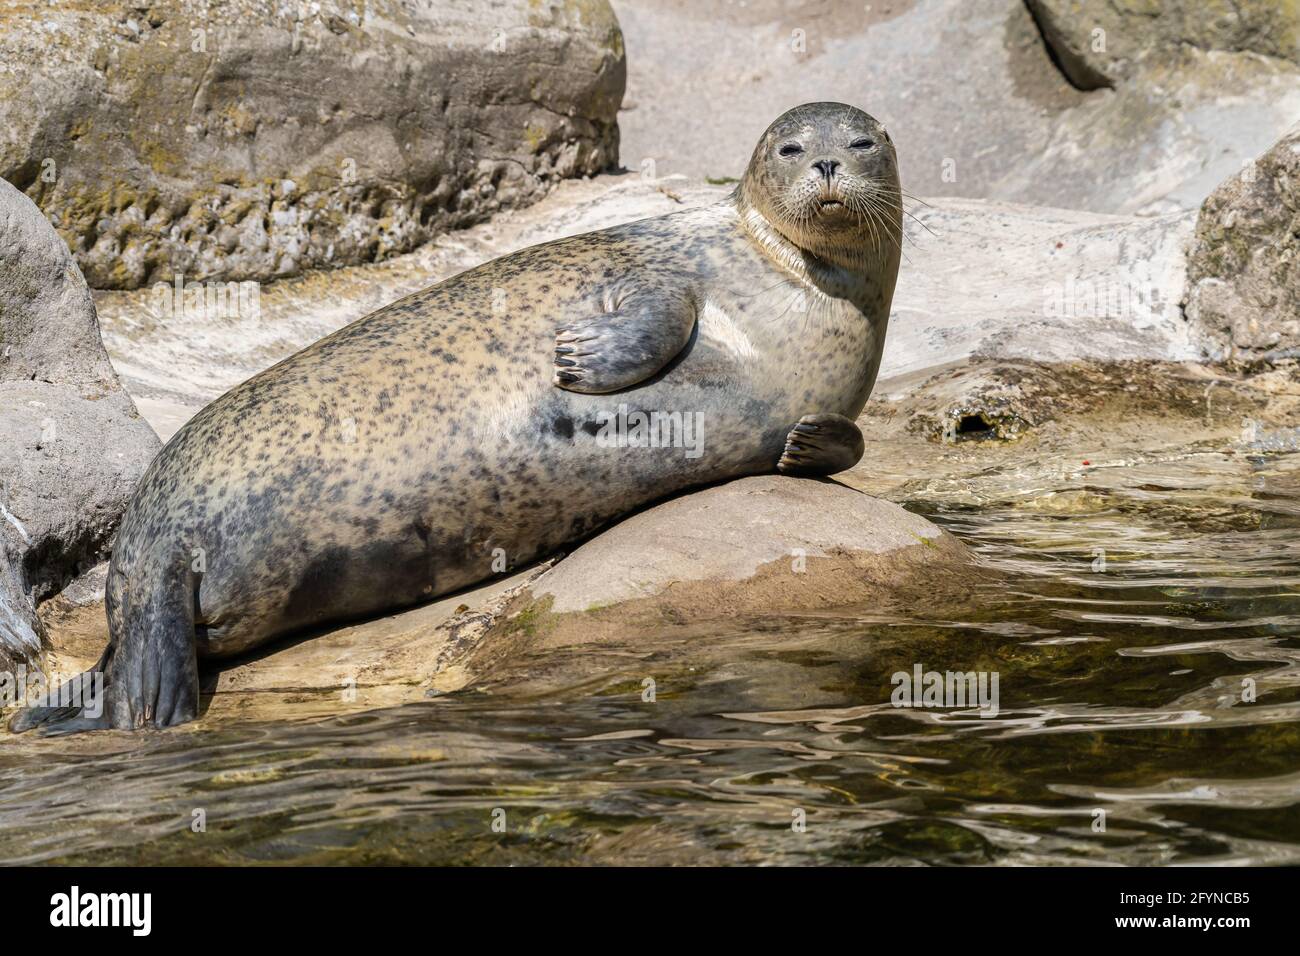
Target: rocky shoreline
1058,343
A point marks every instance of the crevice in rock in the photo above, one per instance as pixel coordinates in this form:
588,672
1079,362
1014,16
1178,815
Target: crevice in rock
1075,72
975,428
22,177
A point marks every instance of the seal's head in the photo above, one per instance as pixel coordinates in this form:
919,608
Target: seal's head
825,176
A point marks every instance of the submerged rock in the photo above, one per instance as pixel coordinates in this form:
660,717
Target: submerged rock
250,140
1244,267
72,445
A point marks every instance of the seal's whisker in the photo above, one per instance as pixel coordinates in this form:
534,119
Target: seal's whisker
877,211
910,215
887,200
869,218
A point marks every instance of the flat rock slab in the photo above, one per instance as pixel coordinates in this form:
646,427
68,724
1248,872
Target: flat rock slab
729,532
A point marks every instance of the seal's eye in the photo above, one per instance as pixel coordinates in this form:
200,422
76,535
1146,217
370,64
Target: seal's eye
862,143
790,149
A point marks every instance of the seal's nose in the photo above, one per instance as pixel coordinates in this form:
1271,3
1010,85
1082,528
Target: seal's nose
826,167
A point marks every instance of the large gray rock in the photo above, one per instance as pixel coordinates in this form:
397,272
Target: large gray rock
72,445
1244,267
249,140
1100,42
969,92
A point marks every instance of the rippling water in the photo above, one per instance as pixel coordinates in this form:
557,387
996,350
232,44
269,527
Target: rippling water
1127,616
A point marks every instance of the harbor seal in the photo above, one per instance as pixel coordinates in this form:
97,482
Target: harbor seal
490,419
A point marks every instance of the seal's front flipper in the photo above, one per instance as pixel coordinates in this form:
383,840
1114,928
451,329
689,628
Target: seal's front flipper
639,333
821,445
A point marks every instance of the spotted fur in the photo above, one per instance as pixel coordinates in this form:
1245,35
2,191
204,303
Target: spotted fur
455,434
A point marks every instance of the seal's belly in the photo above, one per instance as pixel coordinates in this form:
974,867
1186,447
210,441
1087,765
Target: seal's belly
409,528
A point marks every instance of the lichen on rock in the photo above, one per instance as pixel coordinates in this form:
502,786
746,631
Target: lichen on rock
1244,265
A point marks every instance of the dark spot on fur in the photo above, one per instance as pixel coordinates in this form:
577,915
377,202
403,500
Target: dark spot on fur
422,529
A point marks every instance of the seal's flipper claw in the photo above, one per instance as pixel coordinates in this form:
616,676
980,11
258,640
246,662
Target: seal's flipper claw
641,333
821,445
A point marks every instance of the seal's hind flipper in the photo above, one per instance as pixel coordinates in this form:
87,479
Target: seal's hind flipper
150,671
74,724
640,332
154,677
30,717
821,445
77,700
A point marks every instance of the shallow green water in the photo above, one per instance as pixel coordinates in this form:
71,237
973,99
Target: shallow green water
1120,690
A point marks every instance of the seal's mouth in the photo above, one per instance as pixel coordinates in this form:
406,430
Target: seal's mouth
829,204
